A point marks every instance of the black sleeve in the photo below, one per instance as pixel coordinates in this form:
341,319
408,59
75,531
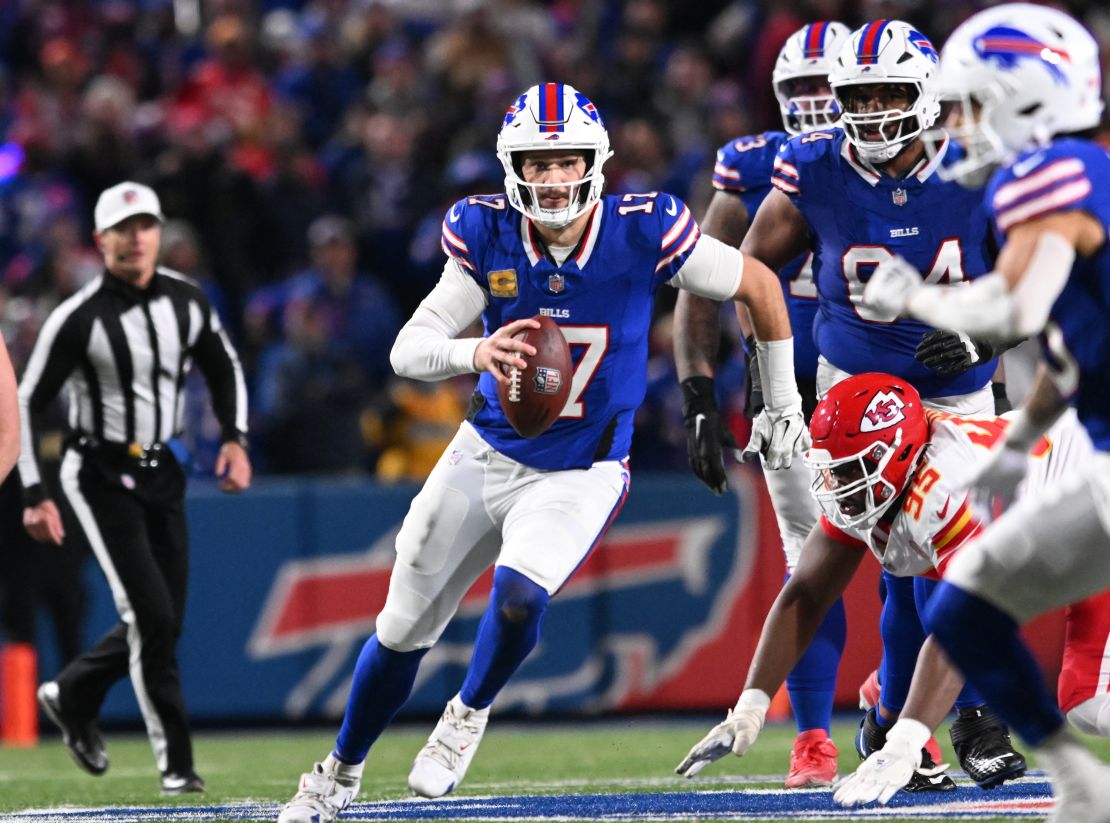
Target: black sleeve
218,362
58,351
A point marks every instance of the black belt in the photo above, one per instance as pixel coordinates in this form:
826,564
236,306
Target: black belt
145,455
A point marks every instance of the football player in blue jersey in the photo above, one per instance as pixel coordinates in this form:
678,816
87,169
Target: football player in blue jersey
857,196
742,178
533,509
1026,85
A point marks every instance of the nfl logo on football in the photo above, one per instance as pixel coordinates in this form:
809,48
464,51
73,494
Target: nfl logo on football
899,197
547,381
556,283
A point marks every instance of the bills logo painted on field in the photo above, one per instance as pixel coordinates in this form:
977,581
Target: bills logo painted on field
605,645
1006,47
884,411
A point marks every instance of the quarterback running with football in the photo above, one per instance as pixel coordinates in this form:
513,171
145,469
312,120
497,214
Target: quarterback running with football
1026,85
552,244
859,195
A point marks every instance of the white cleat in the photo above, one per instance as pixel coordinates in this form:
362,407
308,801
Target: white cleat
320,797
441,765
1080,782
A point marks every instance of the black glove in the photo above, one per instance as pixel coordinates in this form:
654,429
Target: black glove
1001,399
951,353
706,435
753,386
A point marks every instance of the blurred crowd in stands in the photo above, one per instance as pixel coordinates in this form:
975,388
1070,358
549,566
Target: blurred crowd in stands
305,152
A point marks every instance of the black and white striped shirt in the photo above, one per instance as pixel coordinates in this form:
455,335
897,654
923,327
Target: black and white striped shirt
124,353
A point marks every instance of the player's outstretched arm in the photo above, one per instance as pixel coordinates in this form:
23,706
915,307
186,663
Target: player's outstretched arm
823,573
1010,303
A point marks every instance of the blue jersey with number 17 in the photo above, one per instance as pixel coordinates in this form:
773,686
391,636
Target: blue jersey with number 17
1069,175
744,167
601,296
858,219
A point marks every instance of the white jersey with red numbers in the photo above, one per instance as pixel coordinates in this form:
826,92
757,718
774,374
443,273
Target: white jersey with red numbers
937,517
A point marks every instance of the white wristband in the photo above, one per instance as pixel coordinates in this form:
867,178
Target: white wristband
776,373
753,699
912,733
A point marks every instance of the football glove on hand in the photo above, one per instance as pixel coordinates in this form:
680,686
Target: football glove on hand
886,771
736,733
951,353
778,436
706,433
890,287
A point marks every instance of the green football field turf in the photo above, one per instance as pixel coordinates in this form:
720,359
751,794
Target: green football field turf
622,755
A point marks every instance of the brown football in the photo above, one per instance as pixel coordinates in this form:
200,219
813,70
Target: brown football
535,396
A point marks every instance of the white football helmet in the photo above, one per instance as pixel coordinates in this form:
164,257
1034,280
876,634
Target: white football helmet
808,54
1017,74
886,51
553,117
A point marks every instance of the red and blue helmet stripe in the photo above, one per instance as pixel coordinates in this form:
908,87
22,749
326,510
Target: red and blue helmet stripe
867,52
815,40
551,116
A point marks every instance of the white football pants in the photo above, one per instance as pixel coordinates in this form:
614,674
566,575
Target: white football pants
479,508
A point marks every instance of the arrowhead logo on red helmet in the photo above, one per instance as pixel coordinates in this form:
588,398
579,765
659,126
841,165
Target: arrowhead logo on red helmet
884,411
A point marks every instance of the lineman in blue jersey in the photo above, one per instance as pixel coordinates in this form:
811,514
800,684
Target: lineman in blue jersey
742,178
533,509
1026,82
859,196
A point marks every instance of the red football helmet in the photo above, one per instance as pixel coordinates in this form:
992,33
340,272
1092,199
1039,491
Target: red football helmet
869,432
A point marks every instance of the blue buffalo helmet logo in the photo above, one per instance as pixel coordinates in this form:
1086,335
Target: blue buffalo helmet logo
923,45
516,108
589,108
1006,47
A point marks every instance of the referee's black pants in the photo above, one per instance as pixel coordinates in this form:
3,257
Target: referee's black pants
133,514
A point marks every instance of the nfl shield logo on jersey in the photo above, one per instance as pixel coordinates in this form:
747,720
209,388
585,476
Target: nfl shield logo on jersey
899,197
556,283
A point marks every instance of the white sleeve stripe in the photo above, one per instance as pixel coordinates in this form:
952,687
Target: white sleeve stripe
1056,199
726,187
677,228
454,255
779,183
786,168
725,171
453,238
1049,174
682,249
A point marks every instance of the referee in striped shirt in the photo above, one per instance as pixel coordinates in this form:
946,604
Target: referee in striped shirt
122,346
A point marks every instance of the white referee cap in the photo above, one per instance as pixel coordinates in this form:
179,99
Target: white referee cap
125,200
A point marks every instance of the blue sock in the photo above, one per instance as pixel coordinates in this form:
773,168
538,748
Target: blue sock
509,630
923,588
984,644
811,684
902,636
382,683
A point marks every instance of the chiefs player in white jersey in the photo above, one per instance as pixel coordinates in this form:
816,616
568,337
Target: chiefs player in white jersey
891,481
